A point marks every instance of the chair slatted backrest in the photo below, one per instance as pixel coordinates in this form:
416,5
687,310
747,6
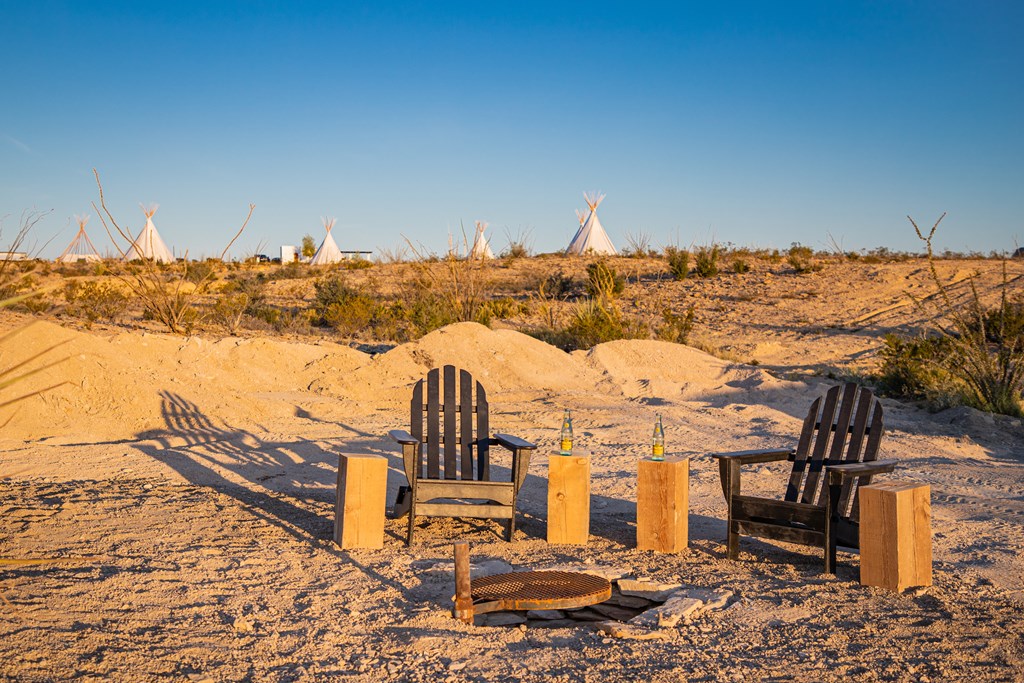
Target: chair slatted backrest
442,417
845,427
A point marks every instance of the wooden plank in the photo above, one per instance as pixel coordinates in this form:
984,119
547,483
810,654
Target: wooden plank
662,505
814,466
803,448
853,451
464,510
433,425
466,424
498,491
416,422
359,503
780,533
778,511
568,499
875,432
448,413
895,535
483,432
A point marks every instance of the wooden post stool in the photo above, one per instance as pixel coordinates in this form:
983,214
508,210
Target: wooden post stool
895,535
359,507
662,504
568,499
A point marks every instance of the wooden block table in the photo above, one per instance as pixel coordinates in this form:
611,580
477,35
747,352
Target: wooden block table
359,508
662,504
895,535
568,499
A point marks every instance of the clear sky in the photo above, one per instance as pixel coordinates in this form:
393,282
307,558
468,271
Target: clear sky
756,123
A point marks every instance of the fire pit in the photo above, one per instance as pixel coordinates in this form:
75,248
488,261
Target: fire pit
540,590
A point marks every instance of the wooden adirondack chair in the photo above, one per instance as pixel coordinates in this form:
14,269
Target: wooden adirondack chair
454,479
839,443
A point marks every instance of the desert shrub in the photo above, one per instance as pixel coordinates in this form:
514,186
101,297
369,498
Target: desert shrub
740,265
802,260
985,350
293,270
706,260
504,308
280,320
515,250
229,309
253,286
357,263
678,262
677,327
37,303
94,301
201,271
603,281
912,367
638,245
593,323
556,285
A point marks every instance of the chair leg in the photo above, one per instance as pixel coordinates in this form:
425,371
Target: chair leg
412,519
511,528
733,542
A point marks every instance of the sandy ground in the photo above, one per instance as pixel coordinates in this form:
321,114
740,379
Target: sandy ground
189,485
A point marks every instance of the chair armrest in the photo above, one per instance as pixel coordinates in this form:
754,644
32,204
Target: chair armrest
514,443
402,436
837,473
752,457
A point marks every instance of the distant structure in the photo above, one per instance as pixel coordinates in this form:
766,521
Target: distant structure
289,253
481,249
591,237
81,248
149,245
328,252
1019,252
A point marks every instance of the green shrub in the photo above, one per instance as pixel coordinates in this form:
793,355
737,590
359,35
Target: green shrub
593,323
706,260
201,271
802,260
557,285
253,286
229,309
912,367
678,262
94,301
676,327
504,308
603,281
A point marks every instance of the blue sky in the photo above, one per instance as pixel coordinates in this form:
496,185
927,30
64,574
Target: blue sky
756,123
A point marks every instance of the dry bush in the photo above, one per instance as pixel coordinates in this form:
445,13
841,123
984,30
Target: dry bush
981,350
638,245
229,310
677,328
167,292
94,301
603,282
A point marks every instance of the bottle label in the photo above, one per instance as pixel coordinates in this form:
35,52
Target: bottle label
566,446
658,452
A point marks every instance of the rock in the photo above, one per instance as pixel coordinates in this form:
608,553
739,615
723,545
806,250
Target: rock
628,601
243,625
610,573
626,631
671,613
457,666
552,623
500,619
717,600
545,614
490,568
651,590
614,612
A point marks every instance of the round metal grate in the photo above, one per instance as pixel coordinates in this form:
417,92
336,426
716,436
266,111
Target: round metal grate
539,590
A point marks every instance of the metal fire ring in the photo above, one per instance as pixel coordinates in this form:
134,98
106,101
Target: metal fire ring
538,590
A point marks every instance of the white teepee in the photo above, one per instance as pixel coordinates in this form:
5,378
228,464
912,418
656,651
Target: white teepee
328,252
591,237
481,249
149,245
81,248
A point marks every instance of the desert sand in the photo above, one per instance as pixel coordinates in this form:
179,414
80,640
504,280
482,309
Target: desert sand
188,486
